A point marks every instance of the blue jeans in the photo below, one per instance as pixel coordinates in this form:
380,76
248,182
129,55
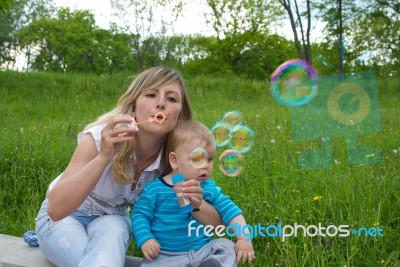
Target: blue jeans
83,240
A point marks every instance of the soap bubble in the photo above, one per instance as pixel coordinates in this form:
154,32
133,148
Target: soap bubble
294,83
241,138
233,118
231,162
221,132
199,158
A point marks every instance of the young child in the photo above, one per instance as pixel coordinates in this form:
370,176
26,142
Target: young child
162,231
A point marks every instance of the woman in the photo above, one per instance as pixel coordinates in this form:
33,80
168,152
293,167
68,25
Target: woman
84,219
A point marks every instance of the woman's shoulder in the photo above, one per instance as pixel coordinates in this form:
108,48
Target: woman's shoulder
95,131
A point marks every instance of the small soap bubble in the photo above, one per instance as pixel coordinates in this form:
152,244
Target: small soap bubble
199,158
231,162
233,118
221,131
241,138
294,83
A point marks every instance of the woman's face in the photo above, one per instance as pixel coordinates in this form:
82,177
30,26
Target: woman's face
166,99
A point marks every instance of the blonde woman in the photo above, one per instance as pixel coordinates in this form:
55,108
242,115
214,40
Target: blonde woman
84,220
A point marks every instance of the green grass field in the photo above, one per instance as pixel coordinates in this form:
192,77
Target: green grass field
41,114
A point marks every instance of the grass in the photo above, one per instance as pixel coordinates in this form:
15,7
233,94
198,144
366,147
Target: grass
41,114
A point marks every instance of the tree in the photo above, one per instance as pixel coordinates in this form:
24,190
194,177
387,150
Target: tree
338,14
293,10
256,59
8,10
112,51
376,35
230,18
14,15
146,22
63,43
242,28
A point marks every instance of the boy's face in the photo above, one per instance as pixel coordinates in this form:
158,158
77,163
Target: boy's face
182,162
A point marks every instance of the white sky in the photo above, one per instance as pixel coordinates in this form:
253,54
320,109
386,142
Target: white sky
192,21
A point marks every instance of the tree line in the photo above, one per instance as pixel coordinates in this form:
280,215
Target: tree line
356,36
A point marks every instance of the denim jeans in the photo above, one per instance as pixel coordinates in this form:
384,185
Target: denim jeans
83,240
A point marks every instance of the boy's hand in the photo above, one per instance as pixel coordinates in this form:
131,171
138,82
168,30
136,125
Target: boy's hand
150,249
244,251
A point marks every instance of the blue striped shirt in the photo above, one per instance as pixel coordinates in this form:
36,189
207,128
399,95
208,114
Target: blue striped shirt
156,215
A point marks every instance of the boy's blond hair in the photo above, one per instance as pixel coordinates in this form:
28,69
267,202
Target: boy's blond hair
189,131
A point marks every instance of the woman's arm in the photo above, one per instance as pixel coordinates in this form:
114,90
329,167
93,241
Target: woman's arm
85,169
77,181
208,215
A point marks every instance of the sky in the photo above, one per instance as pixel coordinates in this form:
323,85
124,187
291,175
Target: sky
192,21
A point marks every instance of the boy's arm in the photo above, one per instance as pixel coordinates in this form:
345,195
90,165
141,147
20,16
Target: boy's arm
243,247
231,213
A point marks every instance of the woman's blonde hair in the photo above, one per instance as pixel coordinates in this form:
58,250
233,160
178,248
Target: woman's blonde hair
152,78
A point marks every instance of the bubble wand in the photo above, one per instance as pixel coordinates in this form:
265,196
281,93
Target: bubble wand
158,117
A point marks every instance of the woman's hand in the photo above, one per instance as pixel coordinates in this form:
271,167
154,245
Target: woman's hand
191,190
207,214
114,134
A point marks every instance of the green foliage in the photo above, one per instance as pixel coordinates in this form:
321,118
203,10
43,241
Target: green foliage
41,114
10,10
151,32
230,18
377,33
62,40
300,22
247,55
72,42
14,15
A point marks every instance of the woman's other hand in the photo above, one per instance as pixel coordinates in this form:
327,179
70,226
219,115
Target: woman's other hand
193,192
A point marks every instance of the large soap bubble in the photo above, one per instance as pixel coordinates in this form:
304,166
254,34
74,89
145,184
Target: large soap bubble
294,83
221,131
231,162
233,118
199,158
241,138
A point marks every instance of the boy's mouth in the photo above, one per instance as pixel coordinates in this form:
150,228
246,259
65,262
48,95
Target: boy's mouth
203,176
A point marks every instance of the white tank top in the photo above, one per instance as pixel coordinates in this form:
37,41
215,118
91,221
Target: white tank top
109,197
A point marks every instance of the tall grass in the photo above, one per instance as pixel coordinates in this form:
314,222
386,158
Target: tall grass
41,114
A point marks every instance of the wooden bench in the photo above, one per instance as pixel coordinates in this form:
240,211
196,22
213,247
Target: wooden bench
14,252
